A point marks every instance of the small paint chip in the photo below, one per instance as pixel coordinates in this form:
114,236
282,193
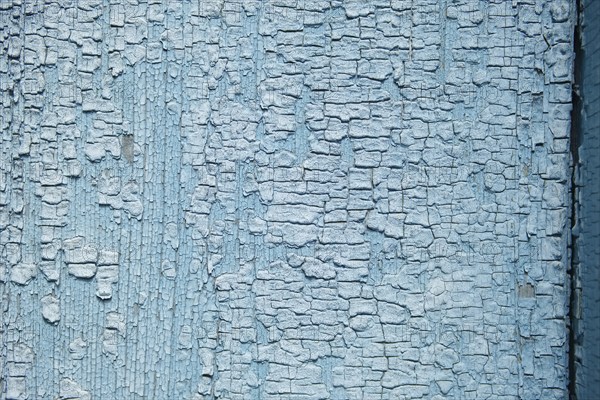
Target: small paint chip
23,273
526,291
51,309
127,147
83,271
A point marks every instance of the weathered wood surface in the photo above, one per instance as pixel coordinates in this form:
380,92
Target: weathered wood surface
299,199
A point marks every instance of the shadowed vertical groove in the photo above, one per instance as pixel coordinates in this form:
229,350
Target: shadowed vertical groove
584,371
575,142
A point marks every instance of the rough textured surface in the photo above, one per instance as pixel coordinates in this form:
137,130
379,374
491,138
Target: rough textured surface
300,199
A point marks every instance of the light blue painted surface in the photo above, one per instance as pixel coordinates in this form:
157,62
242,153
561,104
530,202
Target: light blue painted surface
302,199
